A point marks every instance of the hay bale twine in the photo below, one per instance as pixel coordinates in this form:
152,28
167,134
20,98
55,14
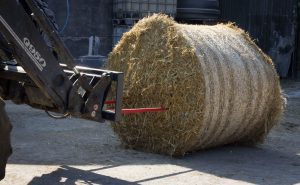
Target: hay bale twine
218,86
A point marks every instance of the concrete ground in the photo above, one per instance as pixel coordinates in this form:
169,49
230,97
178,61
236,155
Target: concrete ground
73,151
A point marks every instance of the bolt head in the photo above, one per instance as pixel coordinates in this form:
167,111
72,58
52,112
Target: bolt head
96,107
93,114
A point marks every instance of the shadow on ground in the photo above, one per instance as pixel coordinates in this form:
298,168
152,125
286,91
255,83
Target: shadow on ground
39,140
252,165
67,175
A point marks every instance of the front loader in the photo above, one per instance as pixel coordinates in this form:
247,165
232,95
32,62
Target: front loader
37,69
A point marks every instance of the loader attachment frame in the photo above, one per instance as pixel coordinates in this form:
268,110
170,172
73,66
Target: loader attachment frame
49,74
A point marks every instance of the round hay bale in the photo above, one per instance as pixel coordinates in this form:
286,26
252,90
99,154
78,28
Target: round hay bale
218,86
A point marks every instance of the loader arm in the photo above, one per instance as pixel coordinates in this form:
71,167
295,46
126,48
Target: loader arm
47,77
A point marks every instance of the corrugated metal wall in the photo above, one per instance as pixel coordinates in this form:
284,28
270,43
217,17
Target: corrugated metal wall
201,10
273,23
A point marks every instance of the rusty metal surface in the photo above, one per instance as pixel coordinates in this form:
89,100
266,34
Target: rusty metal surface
272,23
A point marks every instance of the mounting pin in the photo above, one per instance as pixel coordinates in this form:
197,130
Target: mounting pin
93,114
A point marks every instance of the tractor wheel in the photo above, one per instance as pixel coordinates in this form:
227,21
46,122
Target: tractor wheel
5,146
6,51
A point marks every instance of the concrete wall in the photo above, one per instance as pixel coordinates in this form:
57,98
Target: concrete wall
87,18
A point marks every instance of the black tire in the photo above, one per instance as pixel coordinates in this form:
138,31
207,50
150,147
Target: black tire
5,53
5,145
48,13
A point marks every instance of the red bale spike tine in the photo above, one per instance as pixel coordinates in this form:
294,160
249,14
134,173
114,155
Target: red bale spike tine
142,110
137,110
